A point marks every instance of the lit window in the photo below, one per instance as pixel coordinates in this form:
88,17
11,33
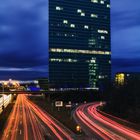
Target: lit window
79,11
55,60
94,16
72,25
92,41
65,21
70,60
86,27
103,37
79,51
94,1
82,14
120,78
103,31
102,2
63,60
93,61
108,5
101,77
59,8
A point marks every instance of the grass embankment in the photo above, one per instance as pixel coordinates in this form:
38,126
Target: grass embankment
124,119
123,101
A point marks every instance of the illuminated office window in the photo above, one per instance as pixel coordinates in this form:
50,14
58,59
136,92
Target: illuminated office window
94,1
86,26
108,5
92,61
92,41
82,14
59,8
92,72
102,31
63,60
72,25
120,78
102,2
101,76
103,37
65,21
94,16
79,51
79,11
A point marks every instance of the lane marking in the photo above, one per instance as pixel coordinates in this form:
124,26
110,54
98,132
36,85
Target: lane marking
20,132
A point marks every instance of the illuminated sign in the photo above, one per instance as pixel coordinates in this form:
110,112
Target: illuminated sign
58,103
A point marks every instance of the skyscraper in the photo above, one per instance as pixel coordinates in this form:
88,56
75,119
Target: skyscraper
79,43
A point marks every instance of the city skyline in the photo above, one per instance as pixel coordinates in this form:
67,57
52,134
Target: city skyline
18,59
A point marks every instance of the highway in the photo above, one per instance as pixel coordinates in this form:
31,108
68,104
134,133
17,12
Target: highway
101,127
29,122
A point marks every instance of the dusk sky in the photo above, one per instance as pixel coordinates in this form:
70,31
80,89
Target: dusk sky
125,25
23,39
24,44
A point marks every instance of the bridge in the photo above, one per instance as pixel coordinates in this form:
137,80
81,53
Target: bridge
25,92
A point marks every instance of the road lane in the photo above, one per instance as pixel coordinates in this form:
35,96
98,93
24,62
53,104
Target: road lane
49,121
93,122
29,122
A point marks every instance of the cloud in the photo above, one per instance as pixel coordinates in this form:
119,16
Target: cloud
125,19
125,65
125,26
125,5
30,73
125,43
35,69
23,34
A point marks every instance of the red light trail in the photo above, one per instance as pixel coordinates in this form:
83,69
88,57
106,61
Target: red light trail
28,121
89,116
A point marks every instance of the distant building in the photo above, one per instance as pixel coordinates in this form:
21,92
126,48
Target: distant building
43,83
79,43
123,78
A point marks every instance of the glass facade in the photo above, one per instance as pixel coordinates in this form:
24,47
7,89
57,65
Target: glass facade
79,43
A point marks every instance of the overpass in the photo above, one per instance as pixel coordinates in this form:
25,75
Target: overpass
25,92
